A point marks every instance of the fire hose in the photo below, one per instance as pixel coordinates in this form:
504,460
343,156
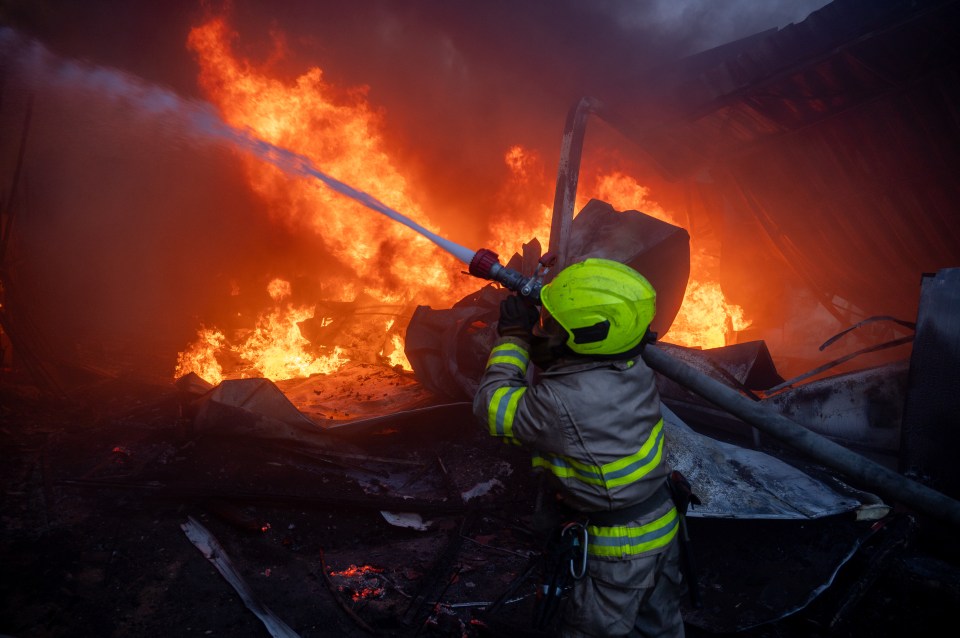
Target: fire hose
485,265
868,473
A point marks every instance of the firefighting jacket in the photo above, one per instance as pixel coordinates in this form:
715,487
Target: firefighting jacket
595,426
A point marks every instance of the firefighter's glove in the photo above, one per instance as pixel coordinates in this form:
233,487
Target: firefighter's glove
518,316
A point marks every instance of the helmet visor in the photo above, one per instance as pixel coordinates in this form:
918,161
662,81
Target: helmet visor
547,326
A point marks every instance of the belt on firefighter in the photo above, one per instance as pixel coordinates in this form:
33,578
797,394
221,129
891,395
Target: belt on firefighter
611,518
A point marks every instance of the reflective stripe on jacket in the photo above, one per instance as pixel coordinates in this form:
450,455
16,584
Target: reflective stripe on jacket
620,472
595,426
629,541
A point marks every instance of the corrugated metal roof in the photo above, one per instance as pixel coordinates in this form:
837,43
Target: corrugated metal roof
840,135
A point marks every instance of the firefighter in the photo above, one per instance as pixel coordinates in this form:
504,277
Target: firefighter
593,422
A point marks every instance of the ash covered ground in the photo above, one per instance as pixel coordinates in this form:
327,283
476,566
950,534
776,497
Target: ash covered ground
94,494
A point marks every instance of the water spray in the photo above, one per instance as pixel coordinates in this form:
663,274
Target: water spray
36,62
483,263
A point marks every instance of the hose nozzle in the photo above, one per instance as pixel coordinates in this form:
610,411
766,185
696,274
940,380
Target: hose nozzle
486,265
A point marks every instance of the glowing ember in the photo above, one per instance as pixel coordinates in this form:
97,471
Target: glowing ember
362,582
354,571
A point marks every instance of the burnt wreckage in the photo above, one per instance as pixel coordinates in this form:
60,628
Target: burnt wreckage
370,503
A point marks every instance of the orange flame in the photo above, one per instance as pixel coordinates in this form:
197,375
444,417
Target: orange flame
277,350
201,357
341,134
394,354
705,319
520,193
274,348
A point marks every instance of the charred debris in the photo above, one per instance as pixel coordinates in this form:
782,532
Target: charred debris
369,503
134,508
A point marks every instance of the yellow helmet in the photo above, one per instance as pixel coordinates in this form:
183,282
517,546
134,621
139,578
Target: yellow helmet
605,306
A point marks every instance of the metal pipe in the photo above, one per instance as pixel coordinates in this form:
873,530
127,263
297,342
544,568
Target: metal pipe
568,175
833,455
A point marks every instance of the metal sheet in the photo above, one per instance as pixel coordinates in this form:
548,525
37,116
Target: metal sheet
930,432
859,409
736,482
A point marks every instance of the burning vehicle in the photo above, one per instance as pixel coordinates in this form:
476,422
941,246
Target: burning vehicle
237,399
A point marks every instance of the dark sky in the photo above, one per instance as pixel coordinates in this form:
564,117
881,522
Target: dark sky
572,40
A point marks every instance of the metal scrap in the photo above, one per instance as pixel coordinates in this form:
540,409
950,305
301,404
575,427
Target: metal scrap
212,551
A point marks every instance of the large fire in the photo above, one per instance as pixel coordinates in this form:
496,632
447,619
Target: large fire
705,319
342,135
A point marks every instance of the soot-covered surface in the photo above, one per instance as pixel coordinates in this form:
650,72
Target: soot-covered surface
95,493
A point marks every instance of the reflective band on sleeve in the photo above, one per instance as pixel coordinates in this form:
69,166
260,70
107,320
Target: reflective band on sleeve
637,465
502,409
511,354
624,541
623,471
